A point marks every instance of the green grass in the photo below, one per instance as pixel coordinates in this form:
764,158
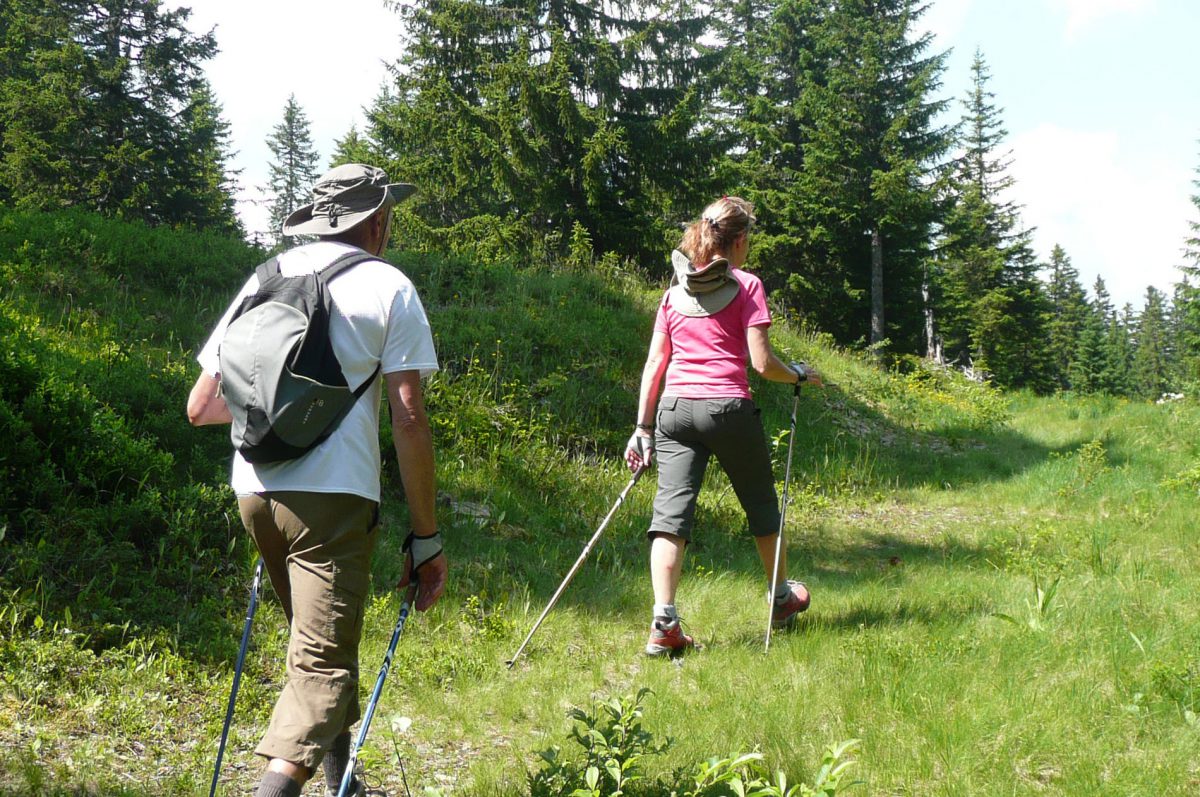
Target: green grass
927,514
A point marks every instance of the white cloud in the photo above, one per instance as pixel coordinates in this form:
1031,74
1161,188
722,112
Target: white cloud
330,55
1083,13
1120,215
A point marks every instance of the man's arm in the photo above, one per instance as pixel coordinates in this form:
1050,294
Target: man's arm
205,405
414,454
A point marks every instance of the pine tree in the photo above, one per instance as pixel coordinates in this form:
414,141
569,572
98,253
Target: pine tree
993,306
1183,333
1192,248
1151,355
765,56
352,148
1119,355
1095,371
294,168
1067,318
528,116
203,193
96,102
1186,311
870,151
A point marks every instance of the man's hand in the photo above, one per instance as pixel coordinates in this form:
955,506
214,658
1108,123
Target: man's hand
424,554
431,580
639,451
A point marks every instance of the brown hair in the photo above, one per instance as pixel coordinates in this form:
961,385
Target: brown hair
722,223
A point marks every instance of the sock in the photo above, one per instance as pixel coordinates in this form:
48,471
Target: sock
275,784
665,614
782,590
335,761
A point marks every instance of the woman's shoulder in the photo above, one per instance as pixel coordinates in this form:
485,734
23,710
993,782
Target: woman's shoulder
746,279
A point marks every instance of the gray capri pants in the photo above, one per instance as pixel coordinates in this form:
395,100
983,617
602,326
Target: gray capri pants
687,433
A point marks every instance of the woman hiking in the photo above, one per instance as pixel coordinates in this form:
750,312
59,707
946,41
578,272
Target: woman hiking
711,321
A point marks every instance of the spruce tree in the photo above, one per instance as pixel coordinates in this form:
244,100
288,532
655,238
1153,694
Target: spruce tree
97,103
1187,300
765,55
1067,317
523,117
1151,356
294,168
1119,357
1191,252
1184,334
204,191
993,307
352,148
871,147
1103,373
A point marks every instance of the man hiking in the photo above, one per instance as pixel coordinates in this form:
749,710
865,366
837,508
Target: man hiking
314,514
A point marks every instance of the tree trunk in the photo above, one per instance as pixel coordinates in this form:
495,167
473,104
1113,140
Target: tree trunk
933,345
877,328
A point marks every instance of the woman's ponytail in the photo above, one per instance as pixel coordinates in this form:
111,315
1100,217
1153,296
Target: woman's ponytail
722,223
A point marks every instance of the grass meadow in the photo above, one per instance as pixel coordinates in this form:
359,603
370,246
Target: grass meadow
1004,587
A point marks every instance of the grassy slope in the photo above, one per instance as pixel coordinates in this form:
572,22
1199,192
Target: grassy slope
917,522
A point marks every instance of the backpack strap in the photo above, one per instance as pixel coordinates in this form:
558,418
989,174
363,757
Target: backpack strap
343,264
334,269
267,269
366,383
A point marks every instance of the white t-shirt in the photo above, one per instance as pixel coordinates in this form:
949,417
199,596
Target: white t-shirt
377,320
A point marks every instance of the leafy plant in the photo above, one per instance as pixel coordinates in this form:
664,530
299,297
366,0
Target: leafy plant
614,743
1038,611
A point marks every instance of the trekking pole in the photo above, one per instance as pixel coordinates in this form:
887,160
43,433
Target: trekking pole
787,478
237,672
348,775
586,550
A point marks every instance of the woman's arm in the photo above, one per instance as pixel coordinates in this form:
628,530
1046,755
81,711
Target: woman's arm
768,365
652,373
763,357
640,450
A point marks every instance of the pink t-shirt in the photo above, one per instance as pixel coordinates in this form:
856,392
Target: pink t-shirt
709,354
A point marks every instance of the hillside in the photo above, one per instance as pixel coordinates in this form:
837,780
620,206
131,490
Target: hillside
1001,584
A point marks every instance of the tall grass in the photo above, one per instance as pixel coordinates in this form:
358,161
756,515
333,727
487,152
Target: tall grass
1003,585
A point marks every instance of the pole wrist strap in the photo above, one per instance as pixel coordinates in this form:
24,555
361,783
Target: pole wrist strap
423,549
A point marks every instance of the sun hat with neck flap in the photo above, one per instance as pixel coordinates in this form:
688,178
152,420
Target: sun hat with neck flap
344,197
699,292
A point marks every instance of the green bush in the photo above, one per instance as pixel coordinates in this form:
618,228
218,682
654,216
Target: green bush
614,746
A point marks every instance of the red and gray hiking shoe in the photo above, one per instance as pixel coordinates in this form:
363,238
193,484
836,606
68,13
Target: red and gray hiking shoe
669,640
784,614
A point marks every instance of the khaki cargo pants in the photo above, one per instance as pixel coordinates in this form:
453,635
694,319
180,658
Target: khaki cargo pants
317,551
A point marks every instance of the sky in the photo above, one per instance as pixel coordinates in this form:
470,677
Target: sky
1100,98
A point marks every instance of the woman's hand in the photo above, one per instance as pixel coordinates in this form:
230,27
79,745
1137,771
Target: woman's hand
639,451
806,374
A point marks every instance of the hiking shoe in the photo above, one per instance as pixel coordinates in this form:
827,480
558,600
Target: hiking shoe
784,614
669,640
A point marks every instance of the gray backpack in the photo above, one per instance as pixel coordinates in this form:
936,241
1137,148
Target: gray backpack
279,374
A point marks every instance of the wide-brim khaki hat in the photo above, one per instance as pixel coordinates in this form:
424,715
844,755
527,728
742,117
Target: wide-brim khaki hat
343,198
700,292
